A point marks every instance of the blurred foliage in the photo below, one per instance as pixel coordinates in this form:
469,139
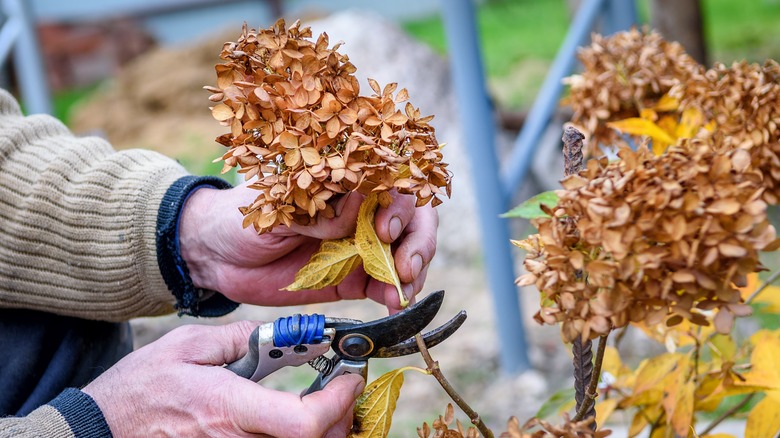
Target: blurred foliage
517,35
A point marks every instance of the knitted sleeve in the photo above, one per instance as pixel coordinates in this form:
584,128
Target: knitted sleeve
73,414
78,221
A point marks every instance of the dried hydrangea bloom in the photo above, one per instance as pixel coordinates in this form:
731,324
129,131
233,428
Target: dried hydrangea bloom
623,74
650,238
299,124
743,103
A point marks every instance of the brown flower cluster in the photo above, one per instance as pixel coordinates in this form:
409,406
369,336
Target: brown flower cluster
650,238
623,74
743,103
545,429
298,123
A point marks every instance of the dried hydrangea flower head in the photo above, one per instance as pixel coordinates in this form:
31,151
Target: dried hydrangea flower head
299,124
650,238
623,74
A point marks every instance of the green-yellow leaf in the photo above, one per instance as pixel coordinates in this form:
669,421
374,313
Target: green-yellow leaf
559,402
638,126
333,261
764,419
531,209
604,409
374,408
377,255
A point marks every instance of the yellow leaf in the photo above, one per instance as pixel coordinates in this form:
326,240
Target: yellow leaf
690,122
604,409
764,360
770,297
638,126
377,255
653,370
333,261
666,103
750,287
764,419
682,417
718,435
374,408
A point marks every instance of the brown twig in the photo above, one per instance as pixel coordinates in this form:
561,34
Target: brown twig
727,414
587,409
582,352
433,367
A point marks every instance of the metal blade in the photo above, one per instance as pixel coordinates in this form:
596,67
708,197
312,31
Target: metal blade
432,338
362,341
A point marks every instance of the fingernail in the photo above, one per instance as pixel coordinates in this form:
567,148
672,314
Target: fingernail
417,263
395,227
339,207
359,388
408,291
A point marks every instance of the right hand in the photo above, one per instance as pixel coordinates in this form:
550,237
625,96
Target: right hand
177,386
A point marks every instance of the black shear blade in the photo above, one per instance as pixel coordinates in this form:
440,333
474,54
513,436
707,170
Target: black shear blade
363,341
432,338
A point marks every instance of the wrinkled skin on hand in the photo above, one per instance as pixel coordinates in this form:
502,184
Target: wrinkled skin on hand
251,268
177,386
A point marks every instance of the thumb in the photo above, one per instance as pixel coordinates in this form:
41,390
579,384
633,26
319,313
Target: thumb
335,401
341,225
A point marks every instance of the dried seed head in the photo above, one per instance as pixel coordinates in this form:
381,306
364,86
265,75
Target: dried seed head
664,237
298,123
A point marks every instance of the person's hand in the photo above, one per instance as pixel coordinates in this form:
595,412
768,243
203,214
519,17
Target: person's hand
251,268
176,386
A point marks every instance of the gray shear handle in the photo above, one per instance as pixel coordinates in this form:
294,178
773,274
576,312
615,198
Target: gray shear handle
247,365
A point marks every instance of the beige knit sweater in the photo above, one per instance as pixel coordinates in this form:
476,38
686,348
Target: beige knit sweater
77,221
77,231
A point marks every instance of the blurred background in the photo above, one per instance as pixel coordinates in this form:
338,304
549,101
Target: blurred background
132,71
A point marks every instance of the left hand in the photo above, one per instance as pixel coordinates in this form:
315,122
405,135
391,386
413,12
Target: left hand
251,268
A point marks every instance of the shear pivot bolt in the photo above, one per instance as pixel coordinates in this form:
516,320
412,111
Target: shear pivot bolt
356,345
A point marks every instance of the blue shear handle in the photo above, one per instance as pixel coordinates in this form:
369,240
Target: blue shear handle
299,329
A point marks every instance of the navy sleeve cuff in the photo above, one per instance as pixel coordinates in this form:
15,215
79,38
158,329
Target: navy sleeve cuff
82,414
189,300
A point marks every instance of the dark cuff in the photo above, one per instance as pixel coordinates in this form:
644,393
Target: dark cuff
82,414
189,300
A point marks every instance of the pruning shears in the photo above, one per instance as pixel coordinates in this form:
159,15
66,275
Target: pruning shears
300,339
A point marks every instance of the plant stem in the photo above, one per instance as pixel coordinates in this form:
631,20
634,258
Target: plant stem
582,358
433,367
766,284
587,409
727,414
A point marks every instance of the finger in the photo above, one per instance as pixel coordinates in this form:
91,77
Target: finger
418,245
211,345
391,221
341,225
334,403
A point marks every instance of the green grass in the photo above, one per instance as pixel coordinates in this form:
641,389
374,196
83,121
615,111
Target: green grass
510,31
519,38
742,29
64,101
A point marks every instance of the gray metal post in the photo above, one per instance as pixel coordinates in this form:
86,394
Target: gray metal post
31,74
619,15
513,174
478,126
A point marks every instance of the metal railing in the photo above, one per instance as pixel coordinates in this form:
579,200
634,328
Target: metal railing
18,38
494,185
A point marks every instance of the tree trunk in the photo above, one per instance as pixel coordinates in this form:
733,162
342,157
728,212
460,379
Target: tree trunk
681,21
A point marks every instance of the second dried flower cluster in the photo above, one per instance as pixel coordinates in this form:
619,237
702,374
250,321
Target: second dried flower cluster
669,234
298,122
